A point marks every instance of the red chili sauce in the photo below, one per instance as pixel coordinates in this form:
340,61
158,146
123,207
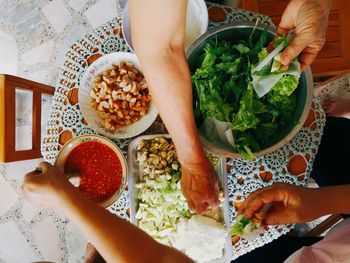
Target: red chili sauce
99,167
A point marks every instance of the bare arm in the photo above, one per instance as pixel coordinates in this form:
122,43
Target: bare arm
158,31
116,239
292,204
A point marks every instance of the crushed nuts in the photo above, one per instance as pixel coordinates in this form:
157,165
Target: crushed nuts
120,95
158,156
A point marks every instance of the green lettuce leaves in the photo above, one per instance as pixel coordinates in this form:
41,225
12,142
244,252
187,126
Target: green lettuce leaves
224,90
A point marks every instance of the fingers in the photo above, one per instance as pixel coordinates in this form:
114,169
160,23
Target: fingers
306,59
282,31
44,166
190,205
200,205
251,197
294,49
201,208
266,197
278,215
272,217
261,197
28,176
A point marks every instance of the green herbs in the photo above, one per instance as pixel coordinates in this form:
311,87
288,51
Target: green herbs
237,228
224,90
247,228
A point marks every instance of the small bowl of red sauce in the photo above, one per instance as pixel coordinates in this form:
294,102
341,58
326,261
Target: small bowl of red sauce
100,164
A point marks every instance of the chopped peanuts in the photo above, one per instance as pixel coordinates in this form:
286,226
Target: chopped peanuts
120,95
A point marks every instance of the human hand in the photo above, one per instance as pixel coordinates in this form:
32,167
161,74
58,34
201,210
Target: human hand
46,187
289,204
309,20
337,108
199,184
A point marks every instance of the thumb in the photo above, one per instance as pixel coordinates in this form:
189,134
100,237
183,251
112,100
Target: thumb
272,218
278,214
294,49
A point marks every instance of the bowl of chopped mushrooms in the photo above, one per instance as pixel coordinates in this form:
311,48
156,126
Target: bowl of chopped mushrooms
114,97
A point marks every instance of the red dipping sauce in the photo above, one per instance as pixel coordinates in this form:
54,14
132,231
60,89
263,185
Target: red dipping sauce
100,169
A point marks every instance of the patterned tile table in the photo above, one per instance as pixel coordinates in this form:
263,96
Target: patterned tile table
291,164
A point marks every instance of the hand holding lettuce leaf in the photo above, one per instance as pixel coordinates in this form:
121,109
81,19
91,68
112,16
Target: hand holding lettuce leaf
268,73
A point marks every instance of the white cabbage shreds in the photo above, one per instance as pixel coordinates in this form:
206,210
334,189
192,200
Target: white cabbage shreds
201,238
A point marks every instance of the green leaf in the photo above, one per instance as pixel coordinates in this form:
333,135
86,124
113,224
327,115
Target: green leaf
210,101
237,228
262,55
242,49
260,44
286,85
229,67
279,40
245,118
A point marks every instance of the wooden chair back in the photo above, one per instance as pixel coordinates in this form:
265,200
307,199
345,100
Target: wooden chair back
8,86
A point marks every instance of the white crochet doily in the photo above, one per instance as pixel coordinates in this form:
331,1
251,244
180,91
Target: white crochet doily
291,164
334,88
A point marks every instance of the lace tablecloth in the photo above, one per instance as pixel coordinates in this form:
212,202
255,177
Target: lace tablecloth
290,164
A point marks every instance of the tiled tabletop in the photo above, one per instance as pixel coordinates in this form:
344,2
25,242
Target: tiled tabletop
33,40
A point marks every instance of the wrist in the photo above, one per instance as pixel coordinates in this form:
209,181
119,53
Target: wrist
334,199
66,197
191,154
323,205
328,201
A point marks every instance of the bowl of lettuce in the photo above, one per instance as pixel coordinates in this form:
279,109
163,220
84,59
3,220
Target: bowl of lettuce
243,106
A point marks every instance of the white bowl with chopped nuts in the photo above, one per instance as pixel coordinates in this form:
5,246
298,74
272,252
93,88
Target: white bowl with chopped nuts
114,96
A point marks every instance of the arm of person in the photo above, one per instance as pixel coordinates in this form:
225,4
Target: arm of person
158,32
292,204
309,20
116,239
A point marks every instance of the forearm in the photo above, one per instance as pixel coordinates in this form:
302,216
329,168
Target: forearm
160,50
334,199
171,90
116,239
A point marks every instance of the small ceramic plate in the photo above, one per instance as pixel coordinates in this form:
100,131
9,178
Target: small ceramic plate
73,143
197,20
90,114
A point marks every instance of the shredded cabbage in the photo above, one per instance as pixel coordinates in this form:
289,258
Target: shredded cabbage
161,205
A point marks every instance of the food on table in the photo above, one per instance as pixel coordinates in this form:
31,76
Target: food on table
249,228
246,228
213,159
120,95
99,168
202,238
225,90
162,203
162,206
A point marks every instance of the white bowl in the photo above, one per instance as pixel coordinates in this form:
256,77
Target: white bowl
197,20
90,114
73,143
